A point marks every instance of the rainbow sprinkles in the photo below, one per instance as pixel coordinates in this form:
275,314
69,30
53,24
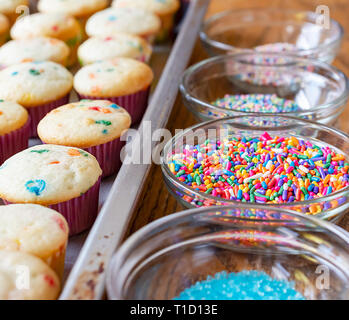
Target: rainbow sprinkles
264,169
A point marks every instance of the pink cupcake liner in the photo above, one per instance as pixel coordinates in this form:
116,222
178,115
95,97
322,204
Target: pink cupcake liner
14,142
80,212
39,112
135,104
108,156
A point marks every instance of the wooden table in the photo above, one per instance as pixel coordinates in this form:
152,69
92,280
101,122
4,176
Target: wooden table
155,201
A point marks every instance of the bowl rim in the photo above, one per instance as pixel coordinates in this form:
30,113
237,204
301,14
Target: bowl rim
224,46
120,255
169,175
337,102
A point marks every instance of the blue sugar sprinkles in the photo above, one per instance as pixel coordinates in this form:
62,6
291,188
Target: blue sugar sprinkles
244,285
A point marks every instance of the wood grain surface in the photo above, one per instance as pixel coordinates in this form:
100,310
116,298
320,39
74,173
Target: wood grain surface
155,201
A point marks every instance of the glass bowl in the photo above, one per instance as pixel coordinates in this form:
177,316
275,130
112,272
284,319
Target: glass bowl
330,207
320,90
307,32
173,253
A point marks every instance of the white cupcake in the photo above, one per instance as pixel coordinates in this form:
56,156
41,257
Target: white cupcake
64,178
135,21
37,230
26,277
33,49
119,45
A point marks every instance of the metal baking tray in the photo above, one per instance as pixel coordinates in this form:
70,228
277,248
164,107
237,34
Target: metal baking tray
88,254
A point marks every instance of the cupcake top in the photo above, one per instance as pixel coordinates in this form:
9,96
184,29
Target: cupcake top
33,229
4,24
112,78
48,174
9,6
12,116
54,25
35,83
119,45
84,124
33,49
159,7
72,7
129,20
44,283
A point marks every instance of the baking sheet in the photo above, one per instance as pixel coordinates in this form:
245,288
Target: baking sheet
86,280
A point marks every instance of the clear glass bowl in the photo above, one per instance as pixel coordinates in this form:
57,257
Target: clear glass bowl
331,207
173,253
249,28
320,90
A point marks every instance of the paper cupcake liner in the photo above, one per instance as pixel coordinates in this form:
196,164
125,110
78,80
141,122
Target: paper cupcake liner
144,58
150,38
39,112
135,104
108,156
14,142
80,212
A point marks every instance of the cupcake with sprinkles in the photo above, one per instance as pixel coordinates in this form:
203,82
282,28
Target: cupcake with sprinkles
13,8
119,45
4,29
37,86
52,25
266,169
93,125
164,9
34,49
134,21
36,230
123,81
14,129
81,10
44,283
63,178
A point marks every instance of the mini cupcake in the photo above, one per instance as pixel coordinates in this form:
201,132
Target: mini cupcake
13,8
33,49
119,45
40,282
93,125
81,10
164,9
37,86
14,129
135,21
63,178
53,25
4,29
123,81
37,230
